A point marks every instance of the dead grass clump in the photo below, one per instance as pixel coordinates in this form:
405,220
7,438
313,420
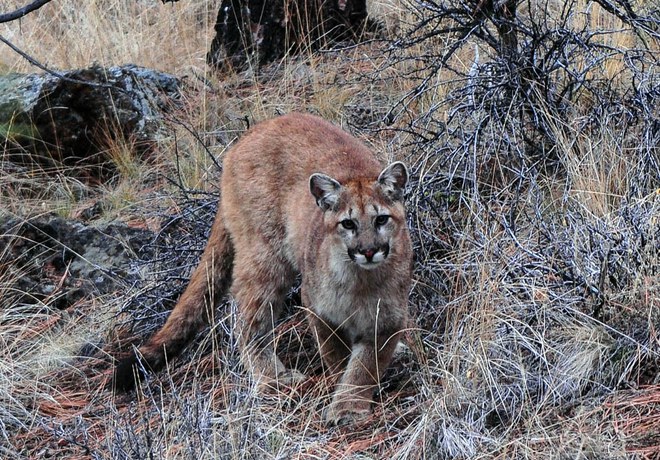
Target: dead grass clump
68,35
636,415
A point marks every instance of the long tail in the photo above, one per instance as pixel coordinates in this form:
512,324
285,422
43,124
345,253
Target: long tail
209,282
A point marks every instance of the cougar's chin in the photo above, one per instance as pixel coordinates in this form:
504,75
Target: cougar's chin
369,265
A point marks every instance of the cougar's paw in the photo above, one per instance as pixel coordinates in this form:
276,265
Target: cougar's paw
127,374
287,378
291,377
342,413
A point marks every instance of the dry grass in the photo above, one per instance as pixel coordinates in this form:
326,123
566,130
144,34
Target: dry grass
67,35
536,291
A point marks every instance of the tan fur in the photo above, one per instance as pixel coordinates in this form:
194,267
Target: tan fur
355,281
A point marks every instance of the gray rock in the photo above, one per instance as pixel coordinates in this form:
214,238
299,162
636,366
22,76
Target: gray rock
70,120
60,261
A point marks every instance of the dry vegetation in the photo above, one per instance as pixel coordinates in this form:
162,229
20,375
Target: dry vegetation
535,206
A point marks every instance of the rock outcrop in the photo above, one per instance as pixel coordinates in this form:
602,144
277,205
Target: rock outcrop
72,118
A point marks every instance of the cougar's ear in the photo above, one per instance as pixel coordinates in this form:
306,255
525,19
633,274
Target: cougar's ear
326,190
393,180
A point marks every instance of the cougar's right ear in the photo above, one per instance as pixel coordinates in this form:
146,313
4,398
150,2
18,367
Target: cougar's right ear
326,190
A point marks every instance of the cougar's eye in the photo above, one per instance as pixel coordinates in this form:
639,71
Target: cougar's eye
381,220
348,224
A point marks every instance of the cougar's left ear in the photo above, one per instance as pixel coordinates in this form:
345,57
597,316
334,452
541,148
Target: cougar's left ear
393,180
326,190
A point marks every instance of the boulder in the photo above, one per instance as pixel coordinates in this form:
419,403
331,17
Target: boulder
71,119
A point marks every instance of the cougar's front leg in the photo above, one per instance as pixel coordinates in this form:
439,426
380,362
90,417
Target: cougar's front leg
353,395
334,348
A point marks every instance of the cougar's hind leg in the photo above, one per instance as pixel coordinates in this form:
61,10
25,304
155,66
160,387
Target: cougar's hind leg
260,288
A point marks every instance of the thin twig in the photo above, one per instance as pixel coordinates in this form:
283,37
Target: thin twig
54,73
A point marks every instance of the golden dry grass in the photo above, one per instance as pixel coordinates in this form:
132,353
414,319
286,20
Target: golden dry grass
505,359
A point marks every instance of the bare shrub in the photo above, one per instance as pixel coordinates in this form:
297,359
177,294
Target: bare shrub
534,129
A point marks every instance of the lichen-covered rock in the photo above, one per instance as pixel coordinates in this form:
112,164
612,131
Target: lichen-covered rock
57,261
71,120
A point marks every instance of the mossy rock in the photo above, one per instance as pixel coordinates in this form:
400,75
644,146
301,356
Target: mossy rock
71,119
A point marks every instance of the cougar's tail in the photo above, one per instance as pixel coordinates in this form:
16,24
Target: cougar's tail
209,282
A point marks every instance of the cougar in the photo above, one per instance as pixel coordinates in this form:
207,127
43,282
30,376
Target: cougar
301,196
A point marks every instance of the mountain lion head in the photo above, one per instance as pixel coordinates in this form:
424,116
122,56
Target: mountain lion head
365,216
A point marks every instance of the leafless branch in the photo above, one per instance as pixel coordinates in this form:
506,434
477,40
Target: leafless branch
19,13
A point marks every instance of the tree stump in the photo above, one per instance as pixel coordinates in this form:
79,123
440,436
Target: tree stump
260,31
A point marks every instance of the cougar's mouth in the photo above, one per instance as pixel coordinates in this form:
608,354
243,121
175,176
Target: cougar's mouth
369,257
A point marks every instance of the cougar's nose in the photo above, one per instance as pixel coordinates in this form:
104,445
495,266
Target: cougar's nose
369,254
